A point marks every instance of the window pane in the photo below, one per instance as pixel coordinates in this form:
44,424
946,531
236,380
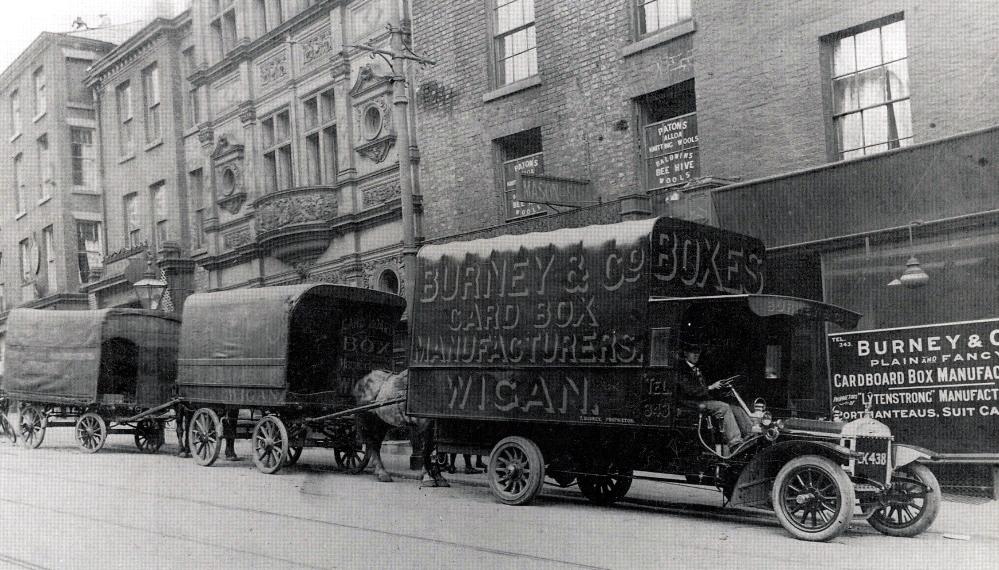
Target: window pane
898,79
893,39
532,62
868,48
871,86
844,60
651,13
667,13
845,94
902,117
683,9
504,19
849,131
528,6
876,126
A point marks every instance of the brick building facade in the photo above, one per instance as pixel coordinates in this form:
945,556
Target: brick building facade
758,80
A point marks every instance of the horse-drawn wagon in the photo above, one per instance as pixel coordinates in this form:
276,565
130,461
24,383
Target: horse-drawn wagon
290,356
558,354
102,372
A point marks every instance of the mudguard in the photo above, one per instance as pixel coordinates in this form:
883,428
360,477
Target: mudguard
754,483
903,454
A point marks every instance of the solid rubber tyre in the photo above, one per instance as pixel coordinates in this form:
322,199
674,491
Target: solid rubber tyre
516,470
815,487
909,511
606,489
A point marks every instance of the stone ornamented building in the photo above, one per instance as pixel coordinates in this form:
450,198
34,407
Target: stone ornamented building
292,164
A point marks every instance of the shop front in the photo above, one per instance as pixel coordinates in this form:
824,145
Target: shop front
909,239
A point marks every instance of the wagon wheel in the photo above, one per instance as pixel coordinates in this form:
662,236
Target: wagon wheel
149,436
204,436
606,489
32,427
813,498
91,432
294,452
270,444
516,470
353,459
6,429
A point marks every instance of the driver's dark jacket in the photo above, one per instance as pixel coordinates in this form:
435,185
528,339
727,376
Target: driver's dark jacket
689,387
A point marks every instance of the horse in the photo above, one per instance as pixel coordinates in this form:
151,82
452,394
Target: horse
373,425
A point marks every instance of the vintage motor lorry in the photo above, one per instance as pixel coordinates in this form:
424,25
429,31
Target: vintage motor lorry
556,354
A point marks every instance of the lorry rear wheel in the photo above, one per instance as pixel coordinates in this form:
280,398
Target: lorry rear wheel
813,498
911,503
516,470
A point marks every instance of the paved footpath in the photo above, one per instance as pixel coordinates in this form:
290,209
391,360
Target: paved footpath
958,520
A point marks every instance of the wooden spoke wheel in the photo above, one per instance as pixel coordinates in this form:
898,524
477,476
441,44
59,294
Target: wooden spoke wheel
91,432
606,489
149,436
270,444
294,453
516,470
353,459
7,430
204,436
813,498
910,504
31,427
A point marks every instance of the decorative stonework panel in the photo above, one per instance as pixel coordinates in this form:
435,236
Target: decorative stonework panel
379,194
316,48
236,238
300,207
273,69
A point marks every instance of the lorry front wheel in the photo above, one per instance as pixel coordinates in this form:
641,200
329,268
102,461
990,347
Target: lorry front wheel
813,498
516,470
910,504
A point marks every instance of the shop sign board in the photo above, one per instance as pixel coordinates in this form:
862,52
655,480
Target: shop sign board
530,164
935,386
540,189
671,150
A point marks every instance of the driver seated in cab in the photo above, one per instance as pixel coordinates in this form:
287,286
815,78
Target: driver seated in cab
694,392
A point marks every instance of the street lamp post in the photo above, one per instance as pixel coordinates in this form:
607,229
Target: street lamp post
150,288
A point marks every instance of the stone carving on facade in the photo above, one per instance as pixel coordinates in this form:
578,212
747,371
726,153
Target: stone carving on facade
273,69
228,160
369,78
372,270
206,135
334,277
381,193
276,212
236,238
376,134
316,46
247,113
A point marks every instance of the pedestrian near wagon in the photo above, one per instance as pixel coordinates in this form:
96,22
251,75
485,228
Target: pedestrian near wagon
695,392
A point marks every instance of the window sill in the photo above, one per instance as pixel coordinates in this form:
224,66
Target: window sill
126,158
38,117
14,137
511,88
659,37
44,199
190,131
85,191
20,215
152,145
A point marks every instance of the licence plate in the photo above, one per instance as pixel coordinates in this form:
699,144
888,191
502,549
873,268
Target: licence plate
873,461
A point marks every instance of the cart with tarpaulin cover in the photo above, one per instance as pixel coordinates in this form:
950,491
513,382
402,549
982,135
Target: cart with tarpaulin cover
108,371
289,357
559,354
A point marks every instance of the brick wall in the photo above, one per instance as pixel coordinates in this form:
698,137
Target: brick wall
759,89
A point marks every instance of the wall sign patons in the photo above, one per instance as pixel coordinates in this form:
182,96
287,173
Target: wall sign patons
228,159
